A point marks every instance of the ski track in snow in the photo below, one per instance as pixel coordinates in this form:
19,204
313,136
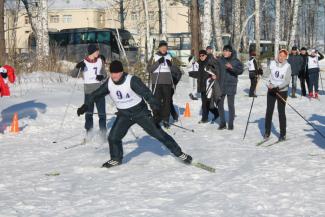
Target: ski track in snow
42,178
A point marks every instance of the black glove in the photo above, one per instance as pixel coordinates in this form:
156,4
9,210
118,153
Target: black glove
81,65
190,58
99,77
82,110
161,60
260,71
4,75
155,105
169,63
275,89
103,58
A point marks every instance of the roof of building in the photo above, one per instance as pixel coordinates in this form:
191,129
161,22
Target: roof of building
78,4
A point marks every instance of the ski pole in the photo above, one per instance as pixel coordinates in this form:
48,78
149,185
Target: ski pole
66,138
181,127
250,111
154,89
69,101
285,101
249,115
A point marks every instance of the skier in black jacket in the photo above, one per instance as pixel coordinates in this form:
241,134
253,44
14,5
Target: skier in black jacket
303,74
128,93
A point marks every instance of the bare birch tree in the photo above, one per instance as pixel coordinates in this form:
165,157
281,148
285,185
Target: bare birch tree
148,41
163,20
217,23
207,25
277,27
195,27
236,23
294,23
37,12
257,30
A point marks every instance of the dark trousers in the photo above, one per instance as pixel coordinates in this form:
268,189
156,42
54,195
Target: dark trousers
100,105
313,80
206,107
231,108
253,86
121,127
163,94
303,81
271,98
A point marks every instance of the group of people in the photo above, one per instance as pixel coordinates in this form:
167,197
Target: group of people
215,79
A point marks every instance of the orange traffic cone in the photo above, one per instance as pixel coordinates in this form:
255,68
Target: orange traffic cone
14,124
187,112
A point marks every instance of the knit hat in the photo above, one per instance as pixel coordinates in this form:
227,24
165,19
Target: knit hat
208,47
92,48
162,43
116,66
204,52
227,48
294,48
303,48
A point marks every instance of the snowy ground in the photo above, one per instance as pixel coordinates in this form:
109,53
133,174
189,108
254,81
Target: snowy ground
286,179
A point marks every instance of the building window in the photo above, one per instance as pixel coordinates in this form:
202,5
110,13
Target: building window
151,15
54,18
101,19
134,16
26,20
67,18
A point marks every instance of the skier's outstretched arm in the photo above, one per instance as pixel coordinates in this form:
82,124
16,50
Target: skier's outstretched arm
100,92
321,56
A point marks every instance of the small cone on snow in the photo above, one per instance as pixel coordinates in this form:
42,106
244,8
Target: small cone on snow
14,124
187,112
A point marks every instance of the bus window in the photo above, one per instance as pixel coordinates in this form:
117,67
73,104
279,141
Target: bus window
103,37
90,37
186,44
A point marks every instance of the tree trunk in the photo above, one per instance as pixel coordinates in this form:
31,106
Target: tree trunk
148,41
195,28
163,20
294,24
2,34
257,30
122,13
207,30
236,24
37,12
277,27
217,24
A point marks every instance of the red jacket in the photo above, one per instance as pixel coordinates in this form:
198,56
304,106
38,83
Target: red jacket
4,88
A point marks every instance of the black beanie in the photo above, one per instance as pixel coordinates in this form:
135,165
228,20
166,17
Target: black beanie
303,48
294,48
92,48
116,66
162,43
204,52
227,47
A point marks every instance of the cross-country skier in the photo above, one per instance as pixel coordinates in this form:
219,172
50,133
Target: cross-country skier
92,68
279,80
254,72
128,93
193,72
162,83
313,72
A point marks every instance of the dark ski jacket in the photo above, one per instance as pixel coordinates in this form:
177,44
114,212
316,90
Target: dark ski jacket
304,66
229,78
296,62
139,88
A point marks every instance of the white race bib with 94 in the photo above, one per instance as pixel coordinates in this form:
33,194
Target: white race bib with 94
122,95
278,73
91,71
